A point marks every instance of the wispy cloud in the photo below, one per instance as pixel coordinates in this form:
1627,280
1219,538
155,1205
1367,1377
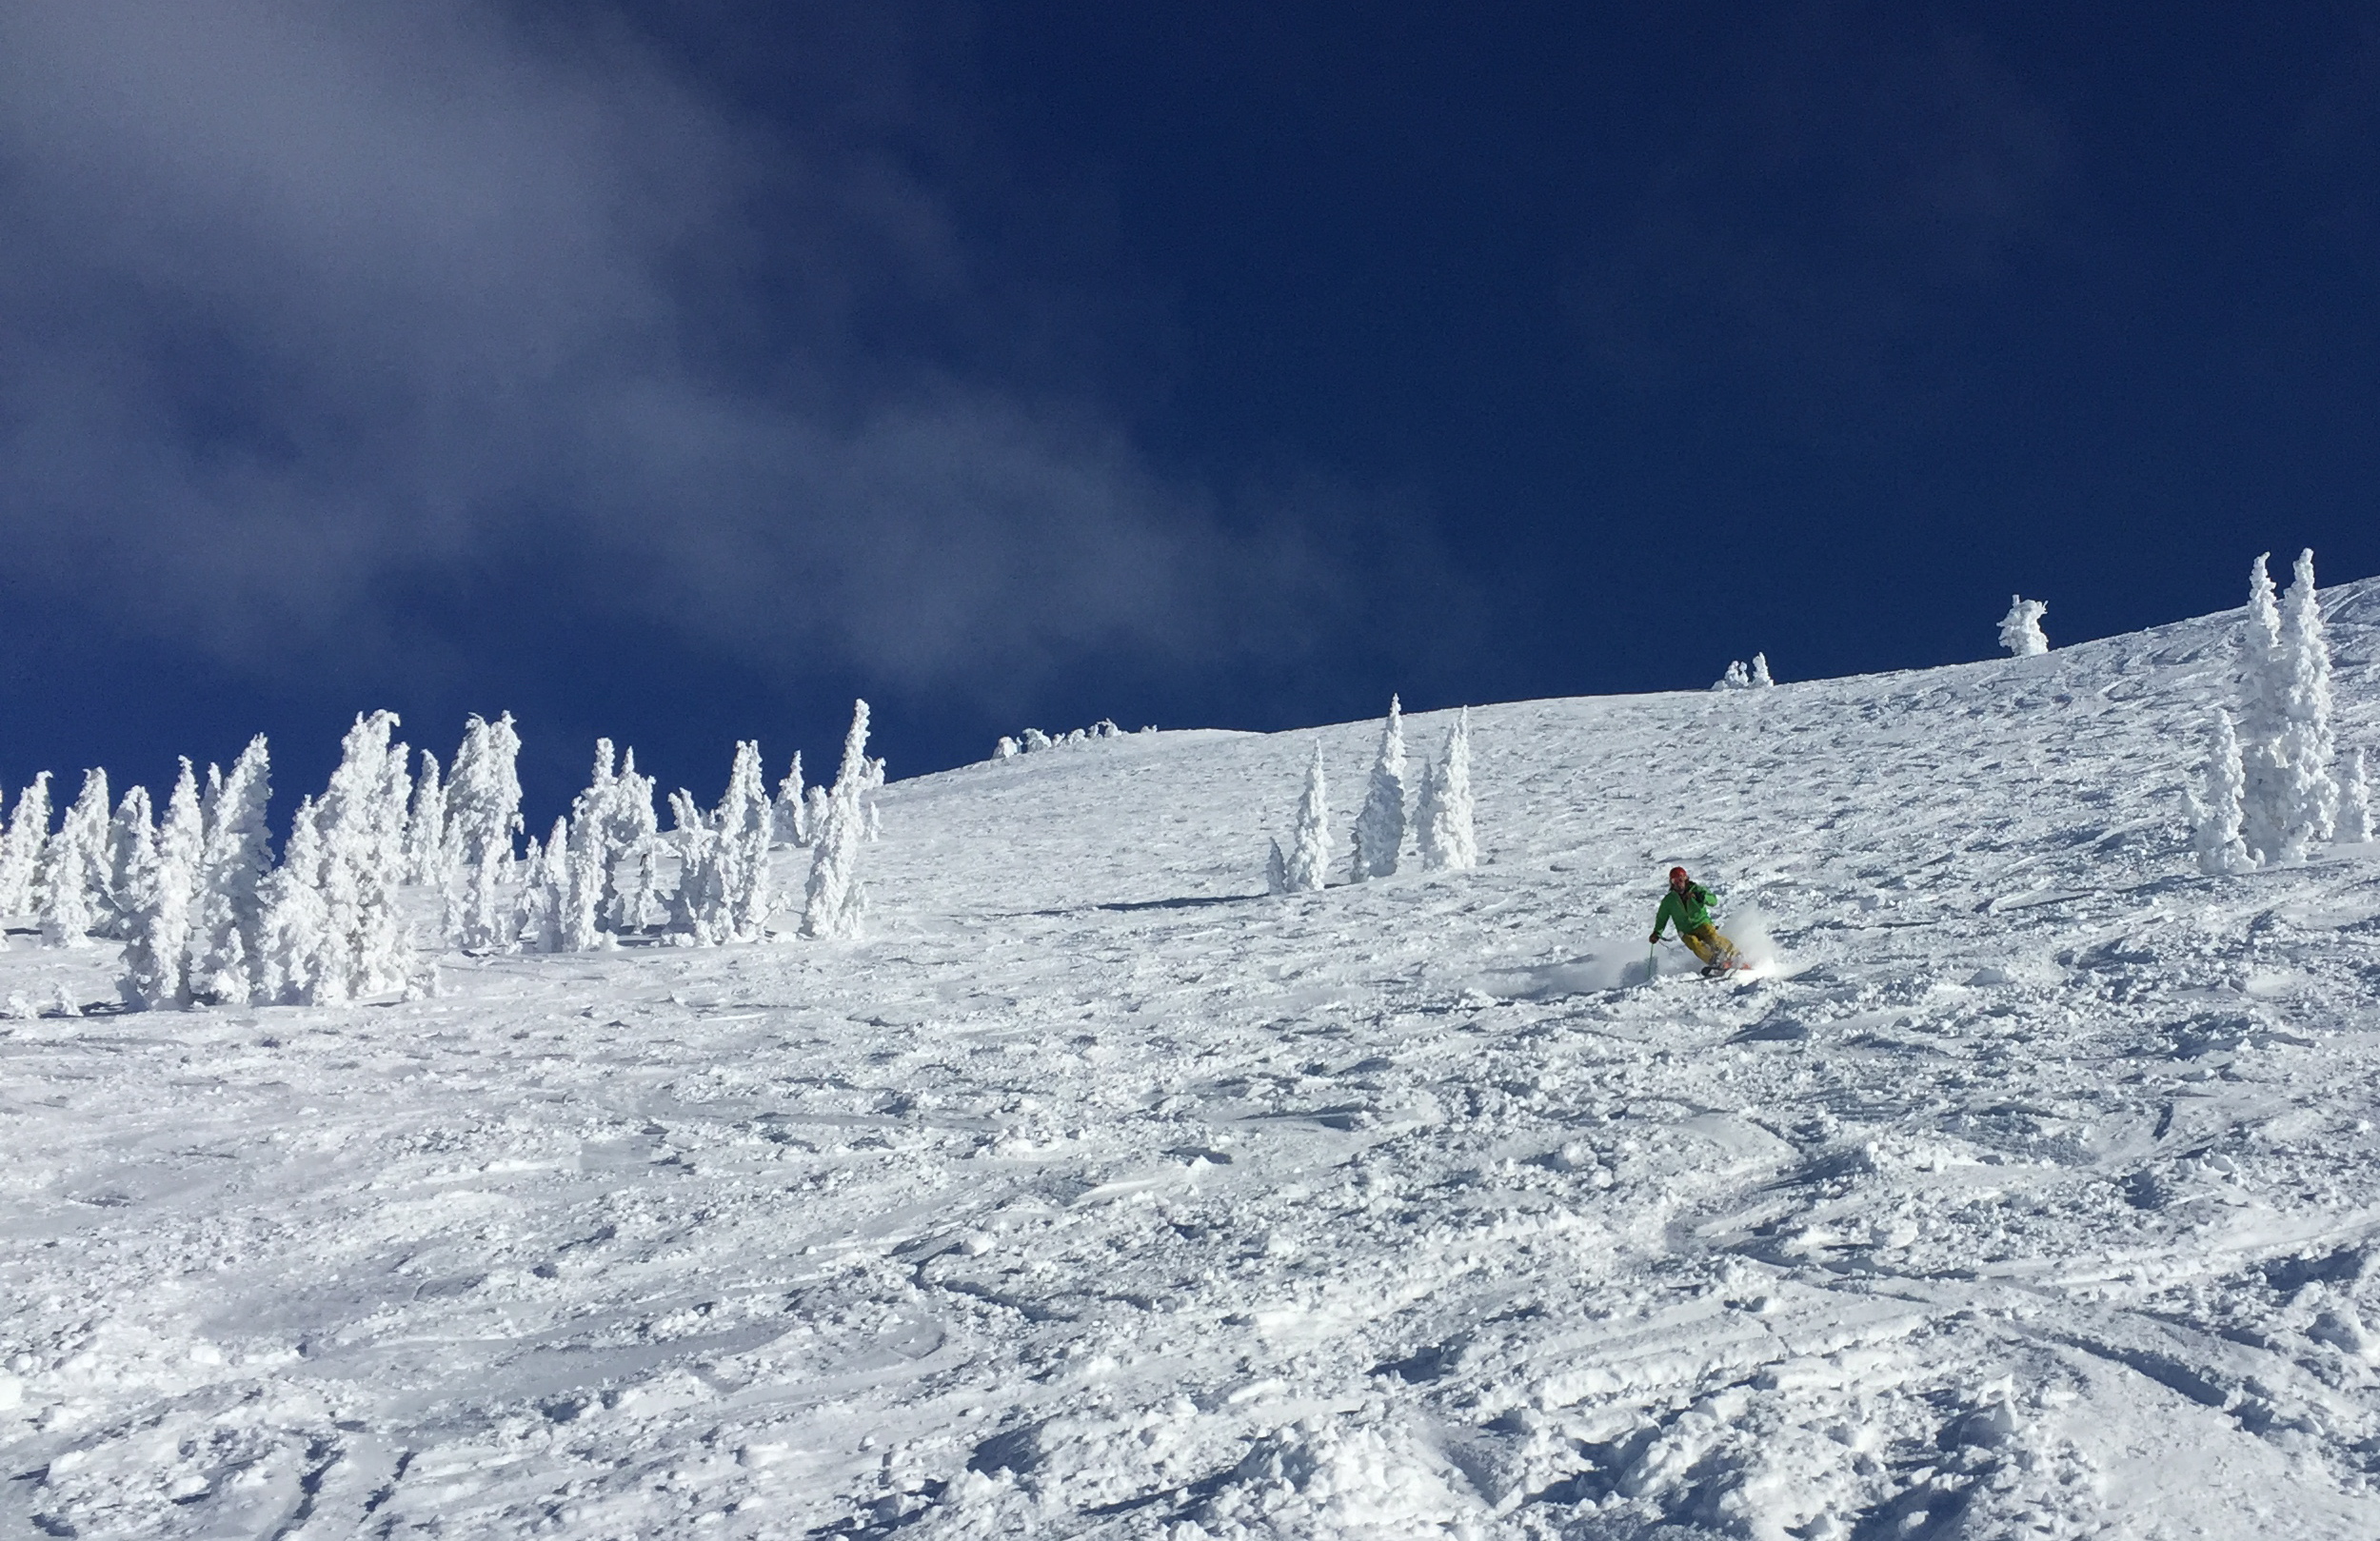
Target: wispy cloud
305,307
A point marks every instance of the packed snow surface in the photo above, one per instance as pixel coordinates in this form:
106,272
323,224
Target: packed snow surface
2031,1188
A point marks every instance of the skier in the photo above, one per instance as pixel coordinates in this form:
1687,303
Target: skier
1688,904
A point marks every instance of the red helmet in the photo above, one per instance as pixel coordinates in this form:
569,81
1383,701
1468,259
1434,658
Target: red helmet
1677,875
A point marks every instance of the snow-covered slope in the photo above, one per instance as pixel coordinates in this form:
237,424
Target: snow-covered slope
1095,1194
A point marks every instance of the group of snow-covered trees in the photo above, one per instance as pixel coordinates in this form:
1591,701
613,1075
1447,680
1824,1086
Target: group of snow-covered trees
1740,677
1033,741
2275,786
208,917
1439,817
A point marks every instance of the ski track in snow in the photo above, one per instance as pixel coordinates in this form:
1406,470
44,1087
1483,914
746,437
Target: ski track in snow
2033,1192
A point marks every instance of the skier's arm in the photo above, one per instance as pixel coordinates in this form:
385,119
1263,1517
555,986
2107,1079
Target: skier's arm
1661,916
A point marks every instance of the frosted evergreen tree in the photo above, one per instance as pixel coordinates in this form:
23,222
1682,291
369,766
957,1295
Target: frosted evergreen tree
2263,713
2021,630
2214,816
728,887
483,792
1760,679
1306,867
75,868
331,931
226,930
360,820
691,837
641,902
1275,869
2354,827
586,857
787,811
483,814
391,813
1448,843
538,913
874,784
835,900
425,828
747,827
295,961
580,855
1380,827
156,958
631,842
21,849
629,815
2309,794
1736,677
813,813
1424,805
131,857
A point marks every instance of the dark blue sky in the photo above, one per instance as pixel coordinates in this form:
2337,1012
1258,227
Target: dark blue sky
679,371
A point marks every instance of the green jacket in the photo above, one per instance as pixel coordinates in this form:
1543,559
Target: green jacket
1689,911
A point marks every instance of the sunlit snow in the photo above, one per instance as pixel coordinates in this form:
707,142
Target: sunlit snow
2030,1186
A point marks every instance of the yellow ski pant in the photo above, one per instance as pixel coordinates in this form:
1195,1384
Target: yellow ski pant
1706,943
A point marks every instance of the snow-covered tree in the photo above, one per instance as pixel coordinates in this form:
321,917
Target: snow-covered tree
74,870
1448,843
1380,827
2355,826
484,791
483,814
1306,867
1760,677
156,958
131,854
294,961
2290,797
361,819
2214,816
604,820
642,900
727,884
2263,710
787,811
632,845
2021,630
587,860
835,899
2308,806
425,828
1275,869
226,930
20,849
748,824
629,815
1736,677
872,785
536,912
392,814
331,931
